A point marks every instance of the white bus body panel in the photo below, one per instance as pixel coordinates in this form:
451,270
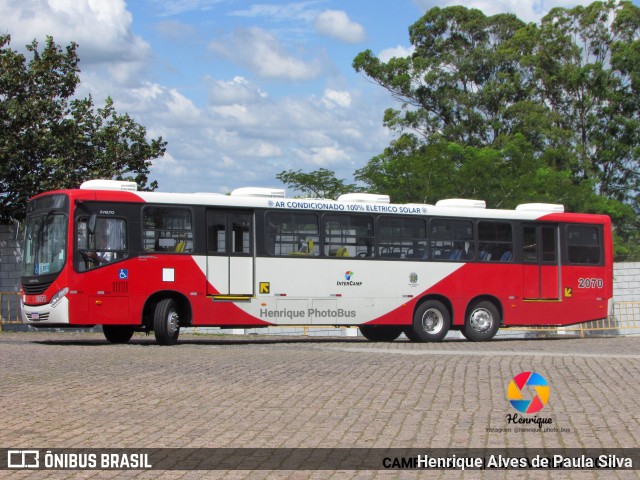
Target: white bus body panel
338,292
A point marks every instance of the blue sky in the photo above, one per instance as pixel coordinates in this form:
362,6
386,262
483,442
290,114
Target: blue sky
240,90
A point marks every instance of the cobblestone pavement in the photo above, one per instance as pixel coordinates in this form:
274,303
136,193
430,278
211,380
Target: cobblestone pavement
74,390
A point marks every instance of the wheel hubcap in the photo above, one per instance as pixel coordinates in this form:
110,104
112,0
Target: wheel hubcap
172,322
481,320
432,321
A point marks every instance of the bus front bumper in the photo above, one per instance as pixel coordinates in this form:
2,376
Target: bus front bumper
41,315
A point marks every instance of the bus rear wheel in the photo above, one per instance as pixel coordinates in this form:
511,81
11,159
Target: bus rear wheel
431,322
482,322
166,322
380,333
117,333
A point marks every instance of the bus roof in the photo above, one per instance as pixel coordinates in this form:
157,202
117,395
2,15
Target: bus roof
272,198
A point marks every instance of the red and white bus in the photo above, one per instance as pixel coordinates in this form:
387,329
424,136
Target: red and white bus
106,254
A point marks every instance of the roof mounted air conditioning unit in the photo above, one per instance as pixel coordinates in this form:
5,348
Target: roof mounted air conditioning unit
461,203
258,192
364,198
540,207
109,185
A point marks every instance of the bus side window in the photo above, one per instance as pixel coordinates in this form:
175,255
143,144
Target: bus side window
451,239
292,234
348,236
241,233
584,244
167,229
106,244
495,241
529,244
401,237
216,232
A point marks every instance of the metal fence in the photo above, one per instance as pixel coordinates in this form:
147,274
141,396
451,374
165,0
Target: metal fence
9,309
625,320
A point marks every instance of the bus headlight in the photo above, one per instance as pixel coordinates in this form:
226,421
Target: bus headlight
55,300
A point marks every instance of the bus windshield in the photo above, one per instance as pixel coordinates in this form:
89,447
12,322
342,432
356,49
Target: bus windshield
45,244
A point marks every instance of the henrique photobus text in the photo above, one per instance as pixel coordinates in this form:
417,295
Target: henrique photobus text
311,312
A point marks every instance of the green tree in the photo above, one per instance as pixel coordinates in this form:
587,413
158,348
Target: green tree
320,183
50,140
409,171
510,112
413,171
584,66
459,82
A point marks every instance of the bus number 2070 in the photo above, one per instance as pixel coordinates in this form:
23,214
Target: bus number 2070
590,283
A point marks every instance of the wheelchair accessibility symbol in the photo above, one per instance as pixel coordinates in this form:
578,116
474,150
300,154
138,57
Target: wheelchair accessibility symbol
123,274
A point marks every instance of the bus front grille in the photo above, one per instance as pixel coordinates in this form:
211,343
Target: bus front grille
36,289
37,317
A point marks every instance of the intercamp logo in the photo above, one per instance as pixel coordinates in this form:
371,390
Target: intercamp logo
348,280
528,392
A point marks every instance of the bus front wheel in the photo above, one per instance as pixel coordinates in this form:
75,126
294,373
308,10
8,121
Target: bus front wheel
431,322
117,333
482,322
380,333
166,322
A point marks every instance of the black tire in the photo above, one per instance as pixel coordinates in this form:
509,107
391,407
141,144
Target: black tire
411,334
482,322
117,333
166,322
380,333
431,322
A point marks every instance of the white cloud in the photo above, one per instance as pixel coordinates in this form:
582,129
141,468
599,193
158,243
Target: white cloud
280,12
228,162
222,132
176,7
238,114
102,29
334,97
176,31
181,108
168,165
165,105
260,148
322,156
262,52
237,90
244,137
336,24
397,52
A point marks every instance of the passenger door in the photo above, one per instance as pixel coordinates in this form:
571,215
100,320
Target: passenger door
540,257
230,260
